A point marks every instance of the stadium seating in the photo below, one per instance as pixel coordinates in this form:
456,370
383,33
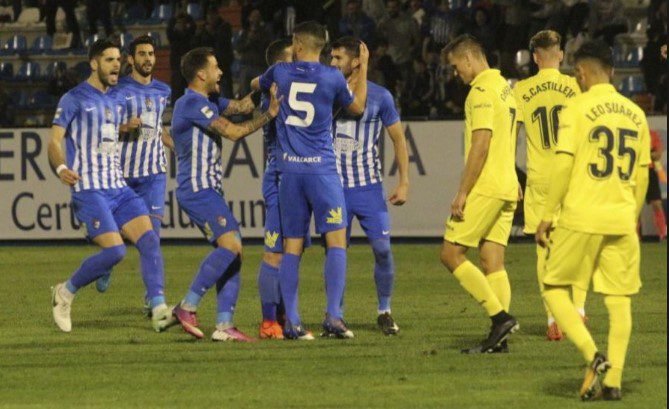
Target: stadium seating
28,16
163,12
194,10
91,39
42,44
125,39
6,70
83,70
156,37
20,98
51,68
29,71
632,85
16,44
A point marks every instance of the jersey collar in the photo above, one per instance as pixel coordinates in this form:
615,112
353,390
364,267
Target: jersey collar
602,89
548,71
484,74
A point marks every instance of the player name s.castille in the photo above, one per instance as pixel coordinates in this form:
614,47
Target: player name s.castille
549,86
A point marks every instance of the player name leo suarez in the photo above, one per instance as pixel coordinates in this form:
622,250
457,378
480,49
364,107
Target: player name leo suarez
612,108
549,86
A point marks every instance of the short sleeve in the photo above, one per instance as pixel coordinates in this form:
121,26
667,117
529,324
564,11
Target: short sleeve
66,111
567,130
223,104
343,94
645,144
388,113
482,110
200,112
517,95
267,78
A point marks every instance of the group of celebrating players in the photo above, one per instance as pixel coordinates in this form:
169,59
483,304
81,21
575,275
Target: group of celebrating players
588,152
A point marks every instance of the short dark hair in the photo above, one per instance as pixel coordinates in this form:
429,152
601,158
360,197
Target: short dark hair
350,44
99,46
312,33
195,60
545,39
596,50
143,39
276,49
464,42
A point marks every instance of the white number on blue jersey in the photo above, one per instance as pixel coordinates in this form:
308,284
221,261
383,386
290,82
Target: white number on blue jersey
301,106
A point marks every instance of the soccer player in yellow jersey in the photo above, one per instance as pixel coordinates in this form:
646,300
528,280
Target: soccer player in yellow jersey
540,99
482,210
599,180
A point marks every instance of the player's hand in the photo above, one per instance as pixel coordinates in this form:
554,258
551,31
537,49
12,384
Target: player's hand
133,124
399,195
458,206
543,233
275,101
68,177
663,51
520,193
364,55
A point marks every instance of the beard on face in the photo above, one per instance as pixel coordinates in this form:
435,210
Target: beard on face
105,79
145,72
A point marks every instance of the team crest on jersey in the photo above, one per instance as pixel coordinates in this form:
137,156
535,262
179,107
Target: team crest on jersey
221,221
58,112
108,114
96,224
271,238
208,113
149,103
335,216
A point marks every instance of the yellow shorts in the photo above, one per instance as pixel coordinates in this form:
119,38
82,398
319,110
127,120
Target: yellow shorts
612,262
533,206
485,218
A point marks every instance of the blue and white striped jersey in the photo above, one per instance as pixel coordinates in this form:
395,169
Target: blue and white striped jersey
198,152
356,140
91,119
142,153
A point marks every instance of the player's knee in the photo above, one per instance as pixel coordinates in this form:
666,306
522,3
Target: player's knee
450,256
148,243
382,253
272,259
114,255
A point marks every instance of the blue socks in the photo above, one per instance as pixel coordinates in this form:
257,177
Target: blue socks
268,287
95,266
227,292
384,272
211,269
335,280
151,265
288,284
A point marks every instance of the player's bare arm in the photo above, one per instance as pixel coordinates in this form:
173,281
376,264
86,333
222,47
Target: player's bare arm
559,183
167,138
240,106
359,103
255,84
399,195
131,126
57,157
475,162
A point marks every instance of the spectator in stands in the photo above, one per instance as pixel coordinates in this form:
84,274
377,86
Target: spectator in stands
516,15
484,30
180,32
216,33
548,16
418,12
419,90
449,92
401,32
357,24
383,63
63,80
577,12
607,19
50,9
375,9
99,10
251,48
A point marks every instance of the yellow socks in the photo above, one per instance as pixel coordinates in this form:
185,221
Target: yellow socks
499,282
620,330
473,280
541,265
569,320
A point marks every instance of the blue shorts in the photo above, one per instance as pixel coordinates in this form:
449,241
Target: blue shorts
151,189
209,211
368,205
106,210
302,194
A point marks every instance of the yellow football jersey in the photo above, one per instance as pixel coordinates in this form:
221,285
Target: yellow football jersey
540,99
609,138
491,105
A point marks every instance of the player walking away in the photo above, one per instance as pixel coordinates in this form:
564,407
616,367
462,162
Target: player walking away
482,210
540,99
654,195
356,142
88,119
599,181
268,275
309,178
198,130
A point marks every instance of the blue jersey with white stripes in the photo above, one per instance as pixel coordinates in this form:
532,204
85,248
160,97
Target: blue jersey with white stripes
91,119
142,153
357,139
198,151
304,124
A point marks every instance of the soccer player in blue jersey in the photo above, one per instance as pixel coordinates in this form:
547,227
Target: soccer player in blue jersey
198,130
309,178
87,118
356,143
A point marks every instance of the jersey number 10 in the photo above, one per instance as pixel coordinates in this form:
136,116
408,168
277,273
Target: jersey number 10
301,106
548,125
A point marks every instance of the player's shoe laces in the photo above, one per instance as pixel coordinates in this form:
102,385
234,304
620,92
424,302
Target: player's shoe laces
335,328
61,309
610,393
596,369
498,334
102,283
296,332
188,320
387,324
270,330
230,334
163,319
553,332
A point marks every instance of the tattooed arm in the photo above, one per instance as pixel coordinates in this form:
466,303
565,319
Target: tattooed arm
241,106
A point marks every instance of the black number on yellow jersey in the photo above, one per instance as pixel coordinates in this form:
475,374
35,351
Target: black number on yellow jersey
548,126
512,111
606,152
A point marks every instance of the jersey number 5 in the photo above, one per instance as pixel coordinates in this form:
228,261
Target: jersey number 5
606,152
301,106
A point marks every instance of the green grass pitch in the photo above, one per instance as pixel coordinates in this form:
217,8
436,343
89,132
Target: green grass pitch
113,359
